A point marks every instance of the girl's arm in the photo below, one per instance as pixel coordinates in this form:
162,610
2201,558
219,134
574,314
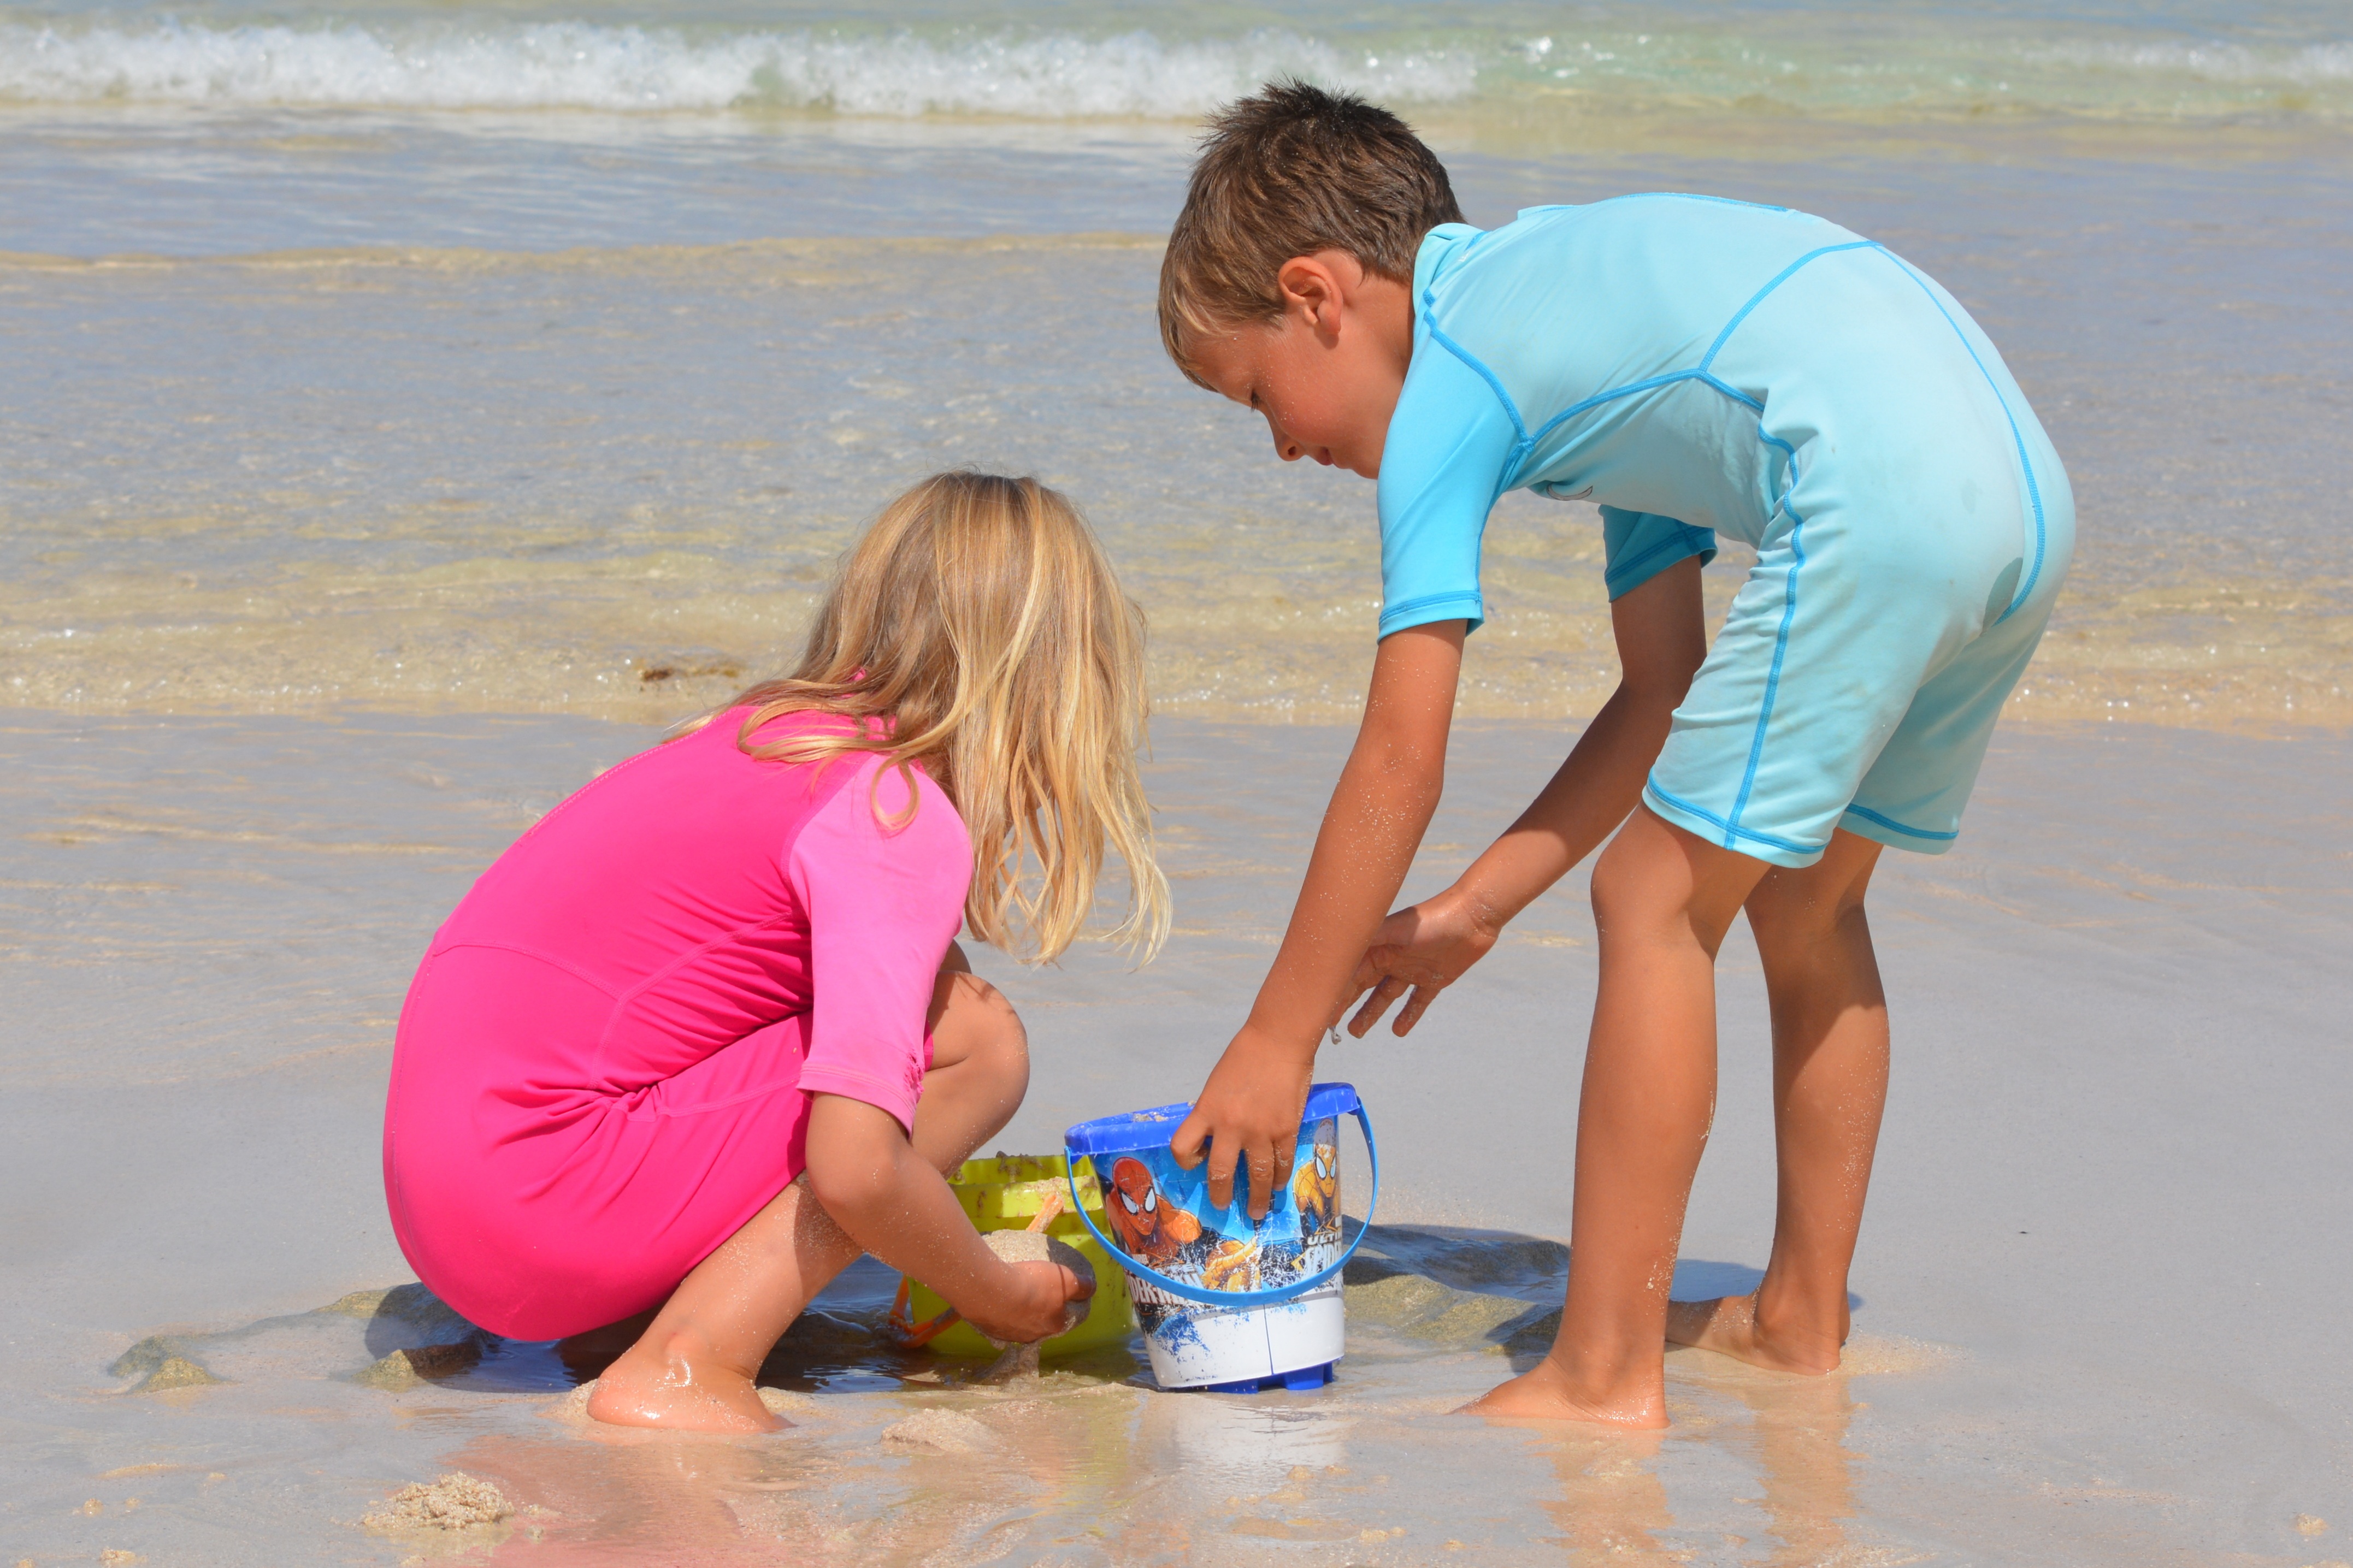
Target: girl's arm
899,1207
1662,634
1250,1109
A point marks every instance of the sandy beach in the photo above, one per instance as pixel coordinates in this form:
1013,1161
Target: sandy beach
405,415
2097,1298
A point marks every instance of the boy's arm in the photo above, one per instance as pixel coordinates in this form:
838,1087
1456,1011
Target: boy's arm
895,1205
1662,634
1250,1109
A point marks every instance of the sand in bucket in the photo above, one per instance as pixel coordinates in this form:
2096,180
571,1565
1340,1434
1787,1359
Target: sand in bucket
1021,1194
1226,1304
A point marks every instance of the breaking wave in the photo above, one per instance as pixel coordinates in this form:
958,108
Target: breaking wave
579,65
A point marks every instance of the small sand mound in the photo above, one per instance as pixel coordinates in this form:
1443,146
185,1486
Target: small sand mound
940,1432
455,1501
176,1372
404,1370
411,1304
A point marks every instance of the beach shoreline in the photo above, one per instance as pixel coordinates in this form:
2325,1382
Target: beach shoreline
2115,1004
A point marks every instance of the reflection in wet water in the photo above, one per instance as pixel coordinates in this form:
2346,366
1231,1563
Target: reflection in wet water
907,1457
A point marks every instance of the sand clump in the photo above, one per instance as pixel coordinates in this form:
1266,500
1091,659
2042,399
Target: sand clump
162,1364
404,1370
455,1501
176,1372
939,1431
412,1304
1423,1307
1035,1246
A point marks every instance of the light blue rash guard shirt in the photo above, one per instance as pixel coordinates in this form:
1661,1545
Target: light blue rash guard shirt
1702,367
1572,352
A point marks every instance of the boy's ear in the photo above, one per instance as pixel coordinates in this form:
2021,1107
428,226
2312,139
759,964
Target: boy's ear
1312,290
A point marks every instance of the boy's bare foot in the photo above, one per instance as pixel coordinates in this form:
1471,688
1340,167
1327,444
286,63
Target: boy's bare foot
1727,1325
1544,1393
682,1387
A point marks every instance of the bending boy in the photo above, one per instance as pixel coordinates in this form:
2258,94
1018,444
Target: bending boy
1699,367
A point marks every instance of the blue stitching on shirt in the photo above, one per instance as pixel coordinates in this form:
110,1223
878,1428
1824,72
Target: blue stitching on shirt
1692,197
1888,822
2033,491
1493,382
1773,673
1734,393
1527,442
1652,784
1574,409
1742,314
1478,605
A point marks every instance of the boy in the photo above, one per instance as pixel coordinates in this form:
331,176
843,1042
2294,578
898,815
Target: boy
1699,367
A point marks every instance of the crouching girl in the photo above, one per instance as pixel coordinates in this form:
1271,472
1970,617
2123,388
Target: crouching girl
703,1035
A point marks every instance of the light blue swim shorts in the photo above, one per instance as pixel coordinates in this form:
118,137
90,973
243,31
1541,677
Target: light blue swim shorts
1900,588
1708,369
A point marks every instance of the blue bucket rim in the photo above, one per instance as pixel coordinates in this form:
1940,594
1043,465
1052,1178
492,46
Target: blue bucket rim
1151,1128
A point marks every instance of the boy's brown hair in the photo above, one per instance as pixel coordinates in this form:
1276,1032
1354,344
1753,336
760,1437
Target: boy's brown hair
1290,170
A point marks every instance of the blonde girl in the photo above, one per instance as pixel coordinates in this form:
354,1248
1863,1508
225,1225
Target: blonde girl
703,1035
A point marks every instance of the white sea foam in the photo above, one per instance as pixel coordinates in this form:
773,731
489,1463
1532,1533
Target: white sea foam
2238,64
577,65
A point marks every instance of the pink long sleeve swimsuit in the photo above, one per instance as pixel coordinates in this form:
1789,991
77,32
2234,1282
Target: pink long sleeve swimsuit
605,1063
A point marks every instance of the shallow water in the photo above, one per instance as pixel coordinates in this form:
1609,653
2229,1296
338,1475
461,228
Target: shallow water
905,1456
2095,1288
335,382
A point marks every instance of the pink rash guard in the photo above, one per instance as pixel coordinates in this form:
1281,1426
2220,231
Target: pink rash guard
605,1063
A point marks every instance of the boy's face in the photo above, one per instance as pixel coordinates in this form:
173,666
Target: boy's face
1327,375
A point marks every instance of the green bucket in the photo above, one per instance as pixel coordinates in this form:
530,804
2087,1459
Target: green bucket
1008,1192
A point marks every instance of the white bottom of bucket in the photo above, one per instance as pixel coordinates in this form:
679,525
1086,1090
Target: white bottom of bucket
1193,1345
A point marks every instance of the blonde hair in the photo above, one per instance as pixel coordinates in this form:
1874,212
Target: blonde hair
977,630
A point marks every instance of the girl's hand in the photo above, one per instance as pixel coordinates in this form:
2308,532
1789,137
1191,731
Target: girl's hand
1426,947
1031,1302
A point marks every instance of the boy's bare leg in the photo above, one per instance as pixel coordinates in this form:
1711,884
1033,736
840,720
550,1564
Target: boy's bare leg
1663,900
692,1369
1830,1084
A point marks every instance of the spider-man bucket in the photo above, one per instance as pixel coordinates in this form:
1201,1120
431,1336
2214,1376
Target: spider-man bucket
1226,1304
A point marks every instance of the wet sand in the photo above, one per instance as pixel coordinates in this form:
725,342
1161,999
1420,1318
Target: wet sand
2101,1294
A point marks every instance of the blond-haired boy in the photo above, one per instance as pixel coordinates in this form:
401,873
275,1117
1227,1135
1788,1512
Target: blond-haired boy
1698,367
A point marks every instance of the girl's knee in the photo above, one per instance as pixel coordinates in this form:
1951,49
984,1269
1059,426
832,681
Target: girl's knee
974,1026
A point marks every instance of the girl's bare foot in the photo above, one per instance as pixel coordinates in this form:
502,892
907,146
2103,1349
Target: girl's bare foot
1728,1326
683,1387
1544,1393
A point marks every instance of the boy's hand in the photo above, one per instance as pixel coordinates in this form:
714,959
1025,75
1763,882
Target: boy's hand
1249,1111
1426,947
1035,1305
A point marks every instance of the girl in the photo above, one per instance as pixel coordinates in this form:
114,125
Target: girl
701,1036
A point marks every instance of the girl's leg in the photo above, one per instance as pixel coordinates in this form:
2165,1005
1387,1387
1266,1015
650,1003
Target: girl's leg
1830,1084
1663,900
692,1368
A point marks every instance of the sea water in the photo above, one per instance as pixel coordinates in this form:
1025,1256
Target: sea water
541,355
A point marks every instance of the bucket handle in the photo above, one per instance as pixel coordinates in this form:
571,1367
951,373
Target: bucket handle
1143,1270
